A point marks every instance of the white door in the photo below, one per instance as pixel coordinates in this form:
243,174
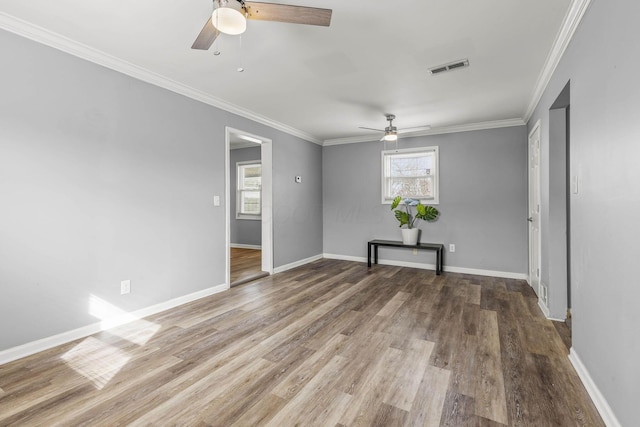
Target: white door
534,208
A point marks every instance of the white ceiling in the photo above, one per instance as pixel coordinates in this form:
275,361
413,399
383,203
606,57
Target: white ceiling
317,82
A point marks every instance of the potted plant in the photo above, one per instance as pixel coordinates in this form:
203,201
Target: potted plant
408,219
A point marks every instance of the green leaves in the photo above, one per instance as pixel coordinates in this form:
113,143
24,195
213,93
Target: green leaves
396,202
426,213
423,212
403,217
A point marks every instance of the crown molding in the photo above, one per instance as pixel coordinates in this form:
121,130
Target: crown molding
72,47
569,26
433,131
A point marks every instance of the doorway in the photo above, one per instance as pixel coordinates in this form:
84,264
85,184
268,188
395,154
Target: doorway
248,197
559,223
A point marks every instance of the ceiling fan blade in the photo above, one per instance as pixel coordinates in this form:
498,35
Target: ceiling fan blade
206,37
377,130
286,13
414,129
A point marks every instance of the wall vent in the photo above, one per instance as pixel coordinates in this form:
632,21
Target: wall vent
449,67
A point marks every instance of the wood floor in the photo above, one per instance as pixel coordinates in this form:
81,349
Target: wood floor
329,344
246,265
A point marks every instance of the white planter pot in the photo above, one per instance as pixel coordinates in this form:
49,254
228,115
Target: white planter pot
410,236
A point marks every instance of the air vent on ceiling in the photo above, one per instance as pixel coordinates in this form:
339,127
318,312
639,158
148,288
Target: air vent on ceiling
448,67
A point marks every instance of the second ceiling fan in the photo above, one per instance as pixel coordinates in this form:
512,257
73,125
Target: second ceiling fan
391,132
230,17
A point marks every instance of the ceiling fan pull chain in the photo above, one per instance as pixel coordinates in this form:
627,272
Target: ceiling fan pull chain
240,68
216,45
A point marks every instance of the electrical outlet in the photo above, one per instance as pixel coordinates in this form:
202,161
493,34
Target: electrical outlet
125,287
452,247
298,179
544,296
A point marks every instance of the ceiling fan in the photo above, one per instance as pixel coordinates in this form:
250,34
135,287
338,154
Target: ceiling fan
391,132
230,17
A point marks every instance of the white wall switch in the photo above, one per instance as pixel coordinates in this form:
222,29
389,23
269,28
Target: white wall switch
452,247
574,184
216,200
298,179
125,287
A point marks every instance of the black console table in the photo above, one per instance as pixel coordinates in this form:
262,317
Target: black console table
438,247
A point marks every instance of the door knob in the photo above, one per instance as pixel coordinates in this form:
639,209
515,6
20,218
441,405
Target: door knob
530,219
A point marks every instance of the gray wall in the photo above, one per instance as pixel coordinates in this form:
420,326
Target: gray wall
554,219
297,208
602,62
243,231
105,178
483,200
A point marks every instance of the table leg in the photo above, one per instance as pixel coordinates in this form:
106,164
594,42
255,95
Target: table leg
438,262
369,255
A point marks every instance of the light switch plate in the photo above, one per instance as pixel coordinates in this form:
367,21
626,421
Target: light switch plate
125,287
216,200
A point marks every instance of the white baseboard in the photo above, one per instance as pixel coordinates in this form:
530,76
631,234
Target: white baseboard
601,403
33,347
450,269
490,273
544,308
296,264
243,246
344,257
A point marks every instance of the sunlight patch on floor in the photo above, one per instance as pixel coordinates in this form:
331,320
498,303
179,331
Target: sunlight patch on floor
96,361
99,361
120,323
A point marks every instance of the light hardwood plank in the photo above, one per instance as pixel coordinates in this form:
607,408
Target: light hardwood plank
299,377
403,386
368,398
392,306
309,396
490,399
474,294
262,412
429,401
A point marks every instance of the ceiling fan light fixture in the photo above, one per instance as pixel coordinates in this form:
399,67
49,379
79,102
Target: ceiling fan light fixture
229,20
390,136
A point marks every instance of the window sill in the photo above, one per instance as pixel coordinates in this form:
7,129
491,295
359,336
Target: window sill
249,217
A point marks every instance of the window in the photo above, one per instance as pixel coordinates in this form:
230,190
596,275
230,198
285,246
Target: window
248,199
411,173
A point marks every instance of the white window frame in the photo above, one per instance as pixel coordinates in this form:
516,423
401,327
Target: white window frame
239,190
388,199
